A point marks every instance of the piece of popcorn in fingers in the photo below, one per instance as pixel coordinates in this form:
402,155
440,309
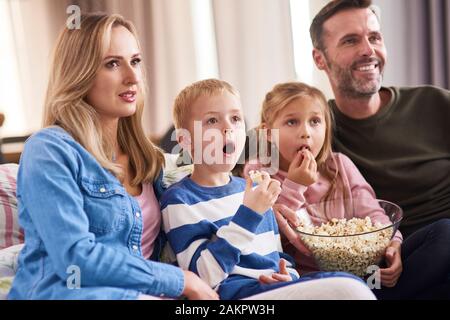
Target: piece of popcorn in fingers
256,176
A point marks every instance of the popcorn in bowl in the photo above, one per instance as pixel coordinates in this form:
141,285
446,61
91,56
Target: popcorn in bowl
350,244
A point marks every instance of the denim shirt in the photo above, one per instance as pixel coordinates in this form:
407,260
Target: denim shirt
82,229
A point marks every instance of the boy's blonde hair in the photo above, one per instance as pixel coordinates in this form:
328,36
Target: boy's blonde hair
186,98
283,94
77,57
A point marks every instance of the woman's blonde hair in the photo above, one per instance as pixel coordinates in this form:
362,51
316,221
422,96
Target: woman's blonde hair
282,95
77,57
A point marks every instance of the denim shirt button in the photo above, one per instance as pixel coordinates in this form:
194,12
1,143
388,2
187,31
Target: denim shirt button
138,215
161,295
135,248
102,190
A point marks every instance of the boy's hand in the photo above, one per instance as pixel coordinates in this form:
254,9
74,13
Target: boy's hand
263,196
196,289
282,276
303,169
389,276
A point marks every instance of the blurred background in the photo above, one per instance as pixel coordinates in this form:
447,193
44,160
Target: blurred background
253,44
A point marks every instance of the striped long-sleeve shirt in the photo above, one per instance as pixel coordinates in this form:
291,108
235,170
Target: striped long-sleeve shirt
214,235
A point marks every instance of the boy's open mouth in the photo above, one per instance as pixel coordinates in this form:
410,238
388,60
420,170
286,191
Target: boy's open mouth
229,148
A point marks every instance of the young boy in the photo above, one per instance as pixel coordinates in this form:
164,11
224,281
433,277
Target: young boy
220,226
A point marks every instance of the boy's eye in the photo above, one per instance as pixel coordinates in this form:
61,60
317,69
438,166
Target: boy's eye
211,121
112,64
236,119
291,122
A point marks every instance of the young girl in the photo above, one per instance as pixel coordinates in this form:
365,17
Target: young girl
311,173
88,181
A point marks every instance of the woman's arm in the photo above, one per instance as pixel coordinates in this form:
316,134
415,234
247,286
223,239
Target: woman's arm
49,192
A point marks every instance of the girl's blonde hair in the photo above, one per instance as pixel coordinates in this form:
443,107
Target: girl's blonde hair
282,95
77,57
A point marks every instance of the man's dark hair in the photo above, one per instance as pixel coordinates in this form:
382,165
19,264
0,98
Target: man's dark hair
332,8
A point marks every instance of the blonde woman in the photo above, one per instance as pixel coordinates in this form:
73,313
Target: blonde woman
88,182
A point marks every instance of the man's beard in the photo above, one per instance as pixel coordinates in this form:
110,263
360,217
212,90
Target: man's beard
351,87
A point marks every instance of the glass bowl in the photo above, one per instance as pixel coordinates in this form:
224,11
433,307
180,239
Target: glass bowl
347,244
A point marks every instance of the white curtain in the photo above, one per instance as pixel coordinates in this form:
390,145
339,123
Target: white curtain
252,46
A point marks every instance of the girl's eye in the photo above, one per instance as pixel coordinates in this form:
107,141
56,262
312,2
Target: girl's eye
316,121
212,121
136,61
112,64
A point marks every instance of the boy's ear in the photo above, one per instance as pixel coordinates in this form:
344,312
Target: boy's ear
184,139
319,59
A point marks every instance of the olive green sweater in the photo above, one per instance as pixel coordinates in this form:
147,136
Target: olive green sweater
404,152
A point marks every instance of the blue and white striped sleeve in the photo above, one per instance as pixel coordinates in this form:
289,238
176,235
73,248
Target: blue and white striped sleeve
204,248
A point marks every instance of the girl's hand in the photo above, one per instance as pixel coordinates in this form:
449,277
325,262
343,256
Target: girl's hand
263,196
282,276
196,289
389,276
303,169
285,219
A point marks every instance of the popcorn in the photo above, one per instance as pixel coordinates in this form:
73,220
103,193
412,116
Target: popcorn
256,176
347,245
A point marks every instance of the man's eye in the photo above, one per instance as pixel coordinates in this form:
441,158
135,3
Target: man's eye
349,41
211,121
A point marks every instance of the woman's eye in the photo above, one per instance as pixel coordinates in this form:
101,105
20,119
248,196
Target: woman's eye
211,121
112,64
136,61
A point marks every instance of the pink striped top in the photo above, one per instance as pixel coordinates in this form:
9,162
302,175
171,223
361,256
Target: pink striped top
151,218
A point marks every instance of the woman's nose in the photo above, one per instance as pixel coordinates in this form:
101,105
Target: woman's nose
131,76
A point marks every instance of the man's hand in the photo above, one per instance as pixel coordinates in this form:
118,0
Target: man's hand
303,169
389,276
282,276
196,289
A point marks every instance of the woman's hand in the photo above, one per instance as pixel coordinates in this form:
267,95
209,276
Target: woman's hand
282,276
389,276
303,169
196,289
261,198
